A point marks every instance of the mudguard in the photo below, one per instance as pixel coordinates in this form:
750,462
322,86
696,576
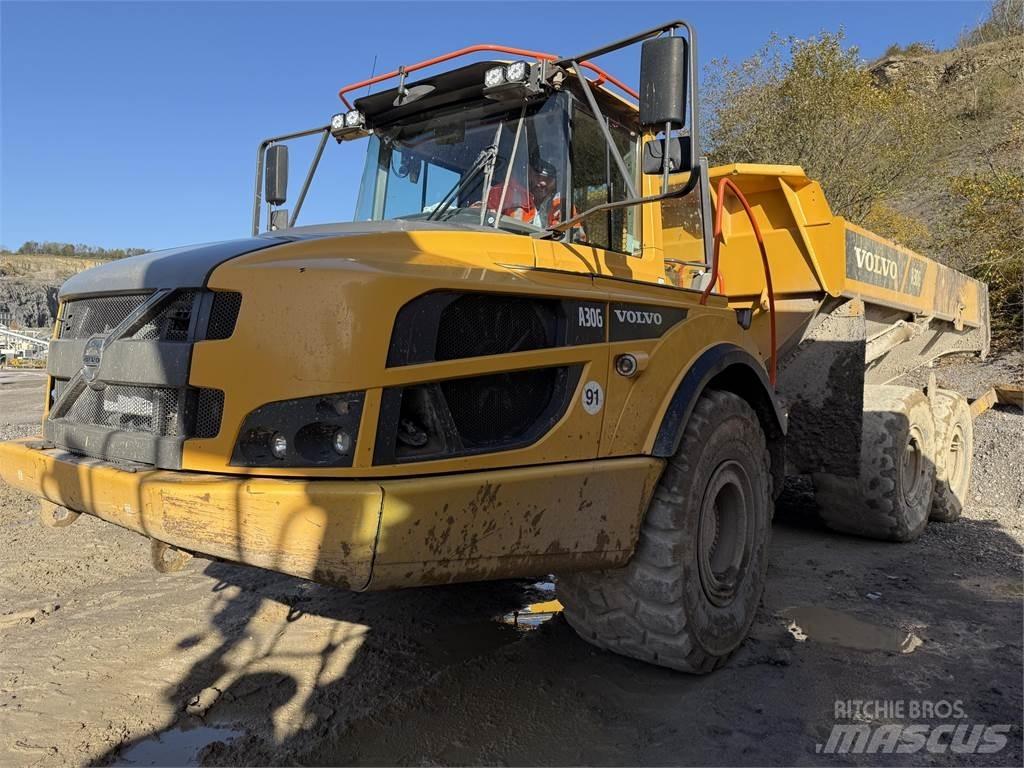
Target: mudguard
728,367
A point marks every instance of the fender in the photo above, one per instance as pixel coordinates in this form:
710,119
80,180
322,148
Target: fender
728,367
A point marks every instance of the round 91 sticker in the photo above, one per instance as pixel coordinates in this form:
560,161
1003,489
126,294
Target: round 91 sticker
592,397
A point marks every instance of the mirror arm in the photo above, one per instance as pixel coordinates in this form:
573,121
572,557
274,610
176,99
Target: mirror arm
691,182
259,168
257,196
601,121
309,177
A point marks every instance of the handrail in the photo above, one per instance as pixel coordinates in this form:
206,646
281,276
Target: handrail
602,76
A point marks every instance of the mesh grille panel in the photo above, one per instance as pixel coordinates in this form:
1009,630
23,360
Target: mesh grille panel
498,407
132,409
223,314
172,322
477,324
209,407
86,317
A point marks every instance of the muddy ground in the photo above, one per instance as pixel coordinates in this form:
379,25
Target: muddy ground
103,660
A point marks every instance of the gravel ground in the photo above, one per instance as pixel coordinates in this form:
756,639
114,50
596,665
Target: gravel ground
104,660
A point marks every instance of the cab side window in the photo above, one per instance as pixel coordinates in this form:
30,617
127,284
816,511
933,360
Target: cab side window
596,180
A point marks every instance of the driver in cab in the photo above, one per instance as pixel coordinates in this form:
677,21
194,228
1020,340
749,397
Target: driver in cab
539,204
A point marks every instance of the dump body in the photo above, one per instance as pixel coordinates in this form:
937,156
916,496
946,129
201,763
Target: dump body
853,309
818,258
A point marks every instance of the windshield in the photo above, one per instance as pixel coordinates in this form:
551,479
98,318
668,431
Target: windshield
492,165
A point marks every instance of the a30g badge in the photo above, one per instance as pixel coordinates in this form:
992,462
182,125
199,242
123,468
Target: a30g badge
592,397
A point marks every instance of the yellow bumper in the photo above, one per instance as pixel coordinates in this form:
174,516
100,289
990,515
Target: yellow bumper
359,534
317,530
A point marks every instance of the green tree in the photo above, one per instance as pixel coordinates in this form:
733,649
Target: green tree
984,237
812,103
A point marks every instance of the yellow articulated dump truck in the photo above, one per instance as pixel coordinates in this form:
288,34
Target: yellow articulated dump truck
551,341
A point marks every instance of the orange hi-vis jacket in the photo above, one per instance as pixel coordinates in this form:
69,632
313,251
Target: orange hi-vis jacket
519,205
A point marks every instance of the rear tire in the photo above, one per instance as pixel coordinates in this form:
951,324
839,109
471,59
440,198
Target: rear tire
953,454
893,496
687,598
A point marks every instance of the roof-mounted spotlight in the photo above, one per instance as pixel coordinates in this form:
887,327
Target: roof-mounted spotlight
515,80
348,125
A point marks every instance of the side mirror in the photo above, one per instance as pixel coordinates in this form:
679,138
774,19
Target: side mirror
663,82
277,174
677,156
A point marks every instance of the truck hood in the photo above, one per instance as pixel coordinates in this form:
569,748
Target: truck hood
190,266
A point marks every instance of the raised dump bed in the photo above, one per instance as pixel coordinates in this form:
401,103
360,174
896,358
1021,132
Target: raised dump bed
854,312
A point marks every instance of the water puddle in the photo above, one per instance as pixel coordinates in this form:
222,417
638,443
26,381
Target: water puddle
823,625
175,746
533,615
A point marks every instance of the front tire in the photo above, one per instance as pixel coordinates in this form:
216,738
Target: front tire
688,596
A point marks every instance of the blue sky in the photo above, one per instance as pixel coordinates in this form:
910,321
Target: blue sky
136,124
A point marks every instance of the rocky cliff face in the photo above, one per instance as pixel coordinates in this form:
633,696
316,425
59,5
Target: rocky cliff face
29,286
28,303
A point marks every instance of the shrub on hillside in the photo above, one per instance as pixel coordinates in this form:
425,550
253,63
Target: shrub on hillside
812,103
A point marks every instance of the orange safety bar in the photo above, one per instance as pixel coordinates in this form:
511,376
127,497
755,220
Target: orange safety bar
602,76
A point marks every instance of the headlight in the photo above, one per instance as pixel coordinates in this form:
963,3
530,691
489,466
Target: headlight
493,77
278,445
319,431
342,442
353,119
338,122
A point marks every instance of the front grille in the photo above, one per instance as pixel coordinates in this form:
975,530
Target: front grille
146,422
158,411
172,322
155,410
83,318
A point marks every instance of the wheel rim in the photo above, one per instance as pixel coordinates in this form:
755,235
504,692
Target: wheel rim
956,458
725,537
913,468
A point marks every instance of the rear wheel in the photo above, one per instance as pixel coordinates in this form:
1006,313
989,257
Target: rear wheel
892,497
687,598
953,455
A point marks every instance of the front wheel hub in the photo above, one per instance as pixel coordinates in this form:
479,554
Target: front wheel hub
725,536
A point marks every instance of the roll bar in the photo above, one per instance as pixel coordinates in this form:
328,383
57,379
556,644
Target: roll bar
403,71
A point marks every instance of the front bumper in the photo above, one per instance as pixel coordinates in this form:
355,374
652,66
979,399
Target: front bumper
324,531
469,526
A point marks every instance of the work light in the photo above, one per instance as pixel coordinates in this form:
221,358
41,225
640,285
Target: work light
494,77
515,72
345,125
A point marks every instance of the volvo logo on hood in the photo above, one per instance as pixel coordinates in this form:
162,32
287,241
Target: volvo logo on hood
92,356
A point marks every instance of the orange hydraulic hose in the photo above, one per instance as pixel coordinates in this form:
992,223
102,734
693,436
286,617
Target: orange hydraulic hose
726,184
602,76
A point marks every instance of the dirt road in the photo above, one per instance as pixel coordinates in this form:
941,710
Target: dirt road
103,660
